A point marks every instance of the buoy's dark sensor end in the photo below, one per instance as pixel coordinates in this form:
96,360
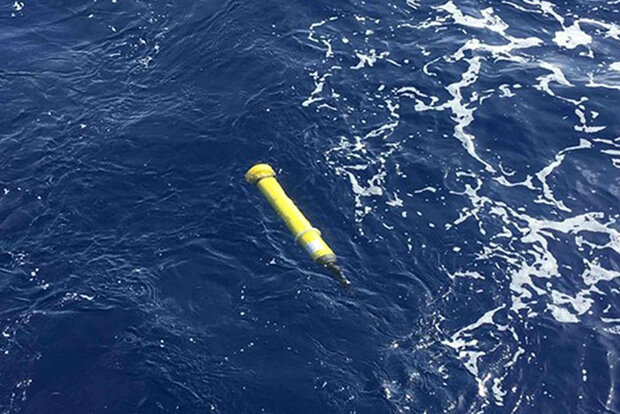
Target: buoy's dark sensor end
336,272
330,264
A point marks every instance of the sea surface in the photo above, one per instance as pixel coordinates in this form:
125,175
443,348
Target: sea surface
462,158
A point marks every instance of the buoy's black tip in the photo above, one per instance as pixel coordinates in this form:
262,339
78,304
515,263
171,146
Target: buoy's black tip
335,271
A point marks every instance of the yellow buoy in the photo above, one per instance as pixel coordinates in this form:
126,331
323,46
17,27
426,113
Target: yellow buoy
309,237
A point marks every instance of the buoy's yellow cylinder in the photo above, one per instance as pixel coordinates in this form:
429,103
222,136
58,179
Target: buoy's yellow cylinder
309,237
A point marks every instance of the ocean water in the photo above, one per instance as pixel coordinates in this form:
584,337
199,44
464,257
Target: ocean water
461,157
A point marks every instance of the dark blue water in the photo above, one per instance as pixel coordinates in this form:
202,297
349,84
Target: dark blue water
462,159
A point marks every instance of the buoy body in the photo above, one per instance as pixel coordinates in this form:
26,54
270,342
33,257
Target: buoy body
264,177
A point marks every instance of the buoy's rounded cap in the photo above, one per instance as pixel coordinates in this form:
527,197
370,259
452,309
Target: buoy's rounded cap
258,172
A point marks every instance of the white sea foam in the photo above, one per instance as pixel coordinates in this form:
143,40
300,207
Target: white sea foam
466,274
319,84
547,195
505,91
593,83
518,240
369,59
572,36
461,340
428,188
488,21
556,76
562,314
